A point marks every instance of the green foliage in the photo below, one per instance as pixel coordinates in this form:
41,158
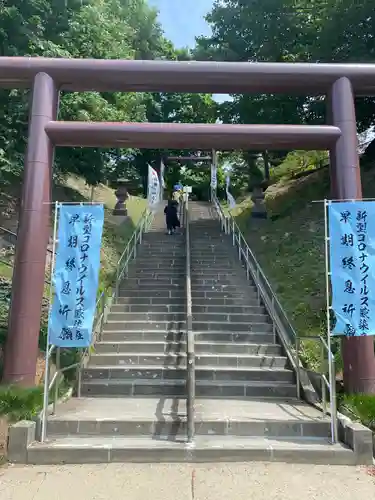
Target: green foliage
111,29
288,31
298,164
17,403
361,406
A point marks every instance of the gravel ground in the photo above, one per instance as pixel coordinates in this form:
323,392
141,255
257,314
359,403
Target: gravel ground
255,481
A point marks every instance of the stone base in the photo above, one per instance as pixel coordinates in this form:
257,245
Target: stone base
120,211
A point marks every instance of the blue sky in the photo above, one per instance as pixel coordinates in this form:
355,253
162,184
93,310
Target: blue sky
183,20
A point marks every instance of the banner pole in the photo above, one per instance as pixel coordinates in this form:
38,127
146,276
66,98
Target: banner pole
331,362
46,369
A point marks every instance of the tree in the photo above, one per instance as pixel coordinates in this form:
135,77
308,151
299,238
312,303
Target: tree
289,31
109,29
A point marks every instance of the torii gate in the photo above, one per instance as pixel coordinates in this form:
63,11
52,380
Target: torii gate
339,82
197,159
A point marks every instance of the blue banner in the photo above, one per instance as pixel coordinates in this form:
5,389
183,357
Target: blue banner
352,266
76,275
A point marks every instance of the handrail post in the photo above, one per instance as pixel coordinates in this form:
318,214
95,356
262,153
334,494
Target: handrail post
102,308
57,383
298,373
190,352
335,435
323,383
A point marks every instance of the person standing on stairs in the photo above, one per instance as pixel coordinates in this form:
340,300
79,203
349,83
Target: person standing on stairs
171,217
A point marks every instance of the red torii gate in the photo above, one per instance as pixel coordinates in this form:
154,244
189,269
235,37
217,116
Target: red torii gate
339,82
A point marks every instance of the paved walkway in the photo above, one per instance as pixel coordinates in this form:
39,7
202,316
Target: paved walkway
258,481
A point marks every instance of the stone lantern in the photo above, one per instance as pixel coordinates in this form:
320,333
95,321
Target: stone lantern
122,196
259,209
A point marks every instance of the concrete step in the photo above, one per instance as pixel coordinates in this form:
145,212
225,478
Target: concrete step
116,316
152,294
207,299
124,301
177,388
178,325
157,265
211,317
174,360
208,273
138,325
167,419
151,262
227,309
162,250
231,326
148,308
209,255
77,450
231,317
165,249
223,293
172,336
148,274
160,281
177,308
201,347
216,374
231,283
227,264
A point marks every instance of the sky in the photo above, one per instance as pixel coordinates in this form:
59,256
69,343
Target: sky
183,20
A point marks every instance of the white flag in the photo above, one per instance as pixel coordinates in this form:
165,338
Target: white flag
213,176
231,200
153,190
227,182
162,169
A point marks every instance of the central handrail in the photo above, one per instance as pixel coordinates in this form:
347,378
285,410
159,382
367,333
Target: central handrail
288,336
190,347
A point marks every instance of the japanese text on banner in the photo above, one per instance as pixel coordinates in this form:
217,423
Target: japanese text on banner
76,275
352,261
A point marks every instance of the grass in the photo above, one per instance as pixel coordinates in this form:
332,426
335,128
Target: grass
20,404
290,248
360,407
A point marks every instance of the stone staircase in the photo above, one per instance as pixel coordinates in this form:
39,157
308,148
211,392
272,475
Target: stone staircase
133,404
141,353
234,335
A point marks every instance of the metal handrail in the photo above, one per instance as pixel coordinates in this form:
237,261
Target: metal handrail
190,341
130,250
103,304
14,235
281,325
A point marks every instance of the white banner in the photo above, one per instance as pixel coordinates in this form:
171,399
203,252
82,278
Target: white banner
231,201
214,170
162,169
213,176
153,189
